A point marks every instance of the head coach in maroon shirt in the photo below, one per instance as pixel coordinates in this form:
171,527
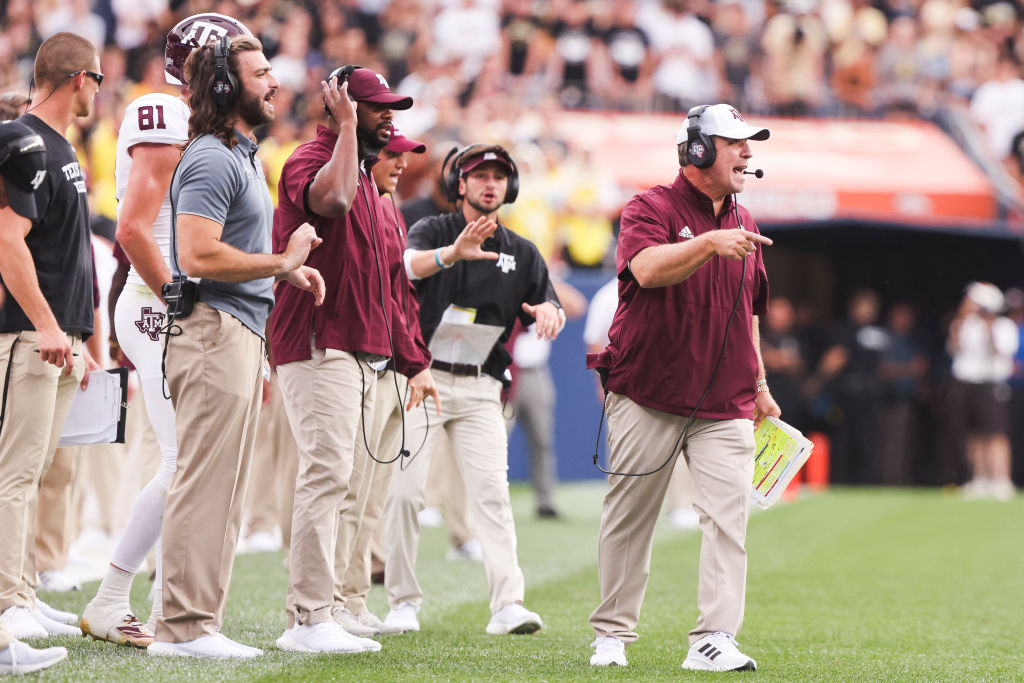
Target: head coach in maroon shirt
684,373
327,358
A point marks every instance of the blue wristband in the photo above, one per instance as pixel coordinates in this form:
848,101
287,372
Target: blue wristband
437,259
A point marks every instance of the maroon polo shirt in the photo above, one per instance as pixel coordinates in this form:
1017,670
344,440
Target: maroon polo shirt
664,341
411,353
355,272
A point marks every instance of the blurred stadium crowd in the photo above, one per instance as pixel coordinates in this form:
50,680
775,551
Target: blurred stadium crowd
497,70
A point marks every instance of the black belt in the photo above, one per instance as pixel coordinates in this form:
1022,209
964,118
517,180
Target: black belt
459,369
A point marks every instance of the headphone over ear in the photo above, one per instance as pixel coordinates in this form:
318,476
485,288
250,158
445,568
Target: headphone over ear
224,87
342,73
450,178
700,149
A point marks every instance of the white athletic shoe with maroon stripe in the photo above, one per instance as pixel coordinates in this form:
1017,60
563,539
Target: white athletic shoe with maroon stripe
718,652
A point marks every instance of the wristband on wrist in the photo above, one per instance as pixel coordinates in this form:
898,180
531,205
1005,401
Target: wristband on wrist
762,386
437,259
761,382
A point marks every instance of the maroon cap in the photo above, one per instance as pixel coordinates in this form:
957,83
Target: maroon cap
398,143
486,157
366,85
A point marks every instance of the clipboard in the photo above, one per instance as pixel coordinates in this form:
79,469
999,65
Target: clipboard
99,413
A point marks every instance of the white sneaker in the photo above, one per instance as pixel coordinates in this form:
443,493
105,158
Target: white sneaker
402,618
19,620
57,581
717,652
470,550
211,647
684,519
54,628
430,518
371,620
56,614
514,618
351,623
19,658
1002,490
608,650
326,636
262,542
115,624
250,651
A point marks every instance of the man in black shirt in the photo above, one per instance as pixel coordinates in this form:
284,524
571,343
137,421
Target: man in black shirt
471,272
46,267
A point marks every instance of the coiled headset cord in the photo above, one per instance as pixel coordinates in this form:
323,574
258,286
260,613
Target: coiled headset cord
707,388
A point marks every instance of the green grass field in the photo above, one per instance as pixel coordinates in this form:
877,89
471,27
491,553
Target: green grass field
852,585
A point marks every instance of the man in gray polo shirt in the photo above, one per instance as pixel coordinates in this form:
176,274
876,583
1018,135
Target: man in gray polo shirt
220,240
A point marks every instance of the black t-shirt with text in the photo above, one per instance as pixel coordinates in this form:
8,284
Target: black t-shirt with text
59,240
496,289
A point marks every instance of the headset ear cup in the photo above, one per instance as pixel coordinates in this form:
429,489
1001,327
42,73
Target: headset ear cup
450,176
512,189
224,87
700,149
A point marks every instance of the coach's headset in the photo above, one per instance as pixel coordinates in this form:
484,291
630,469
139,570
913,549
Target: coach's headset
450,177
700,149
224,88
342,73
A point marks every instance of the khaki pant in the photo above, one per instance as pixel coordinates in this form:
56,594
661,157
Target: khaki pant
446,491
54,516
275,461
38,399
214,371
368,491
330,403
720,456
6,637
471,415
99,469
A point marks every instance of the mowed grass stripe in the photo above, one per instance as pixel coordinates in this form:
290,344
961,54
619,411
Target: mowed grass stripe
852,585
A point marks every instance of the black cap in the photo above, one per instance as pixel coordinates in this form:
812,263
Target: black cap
22,164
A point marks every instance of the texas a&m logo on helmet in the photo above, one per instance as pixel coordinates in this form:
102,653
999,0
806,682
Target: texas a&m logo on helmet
193,32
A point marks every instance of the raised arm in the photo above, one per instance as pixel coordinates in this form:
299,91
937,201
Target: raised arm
334,187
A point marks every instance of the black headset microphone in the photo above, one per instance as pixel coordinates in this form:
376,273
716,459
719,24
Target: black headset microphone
700,151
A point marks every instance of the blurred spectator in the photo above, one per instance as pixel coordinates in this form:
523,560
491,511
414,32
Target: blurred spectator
848,373
573,61
739,49
1015,312
998,106
903,368
469,31
589,201
684,48
983,344
795,44
784,362
627,61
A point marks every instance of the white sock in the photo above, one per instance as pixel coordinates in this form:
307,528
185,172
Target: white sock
116,586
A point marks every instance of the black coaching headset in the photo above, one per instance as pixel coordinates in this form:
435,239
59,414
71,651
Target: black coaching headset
450,178
342,73
224,87
700,149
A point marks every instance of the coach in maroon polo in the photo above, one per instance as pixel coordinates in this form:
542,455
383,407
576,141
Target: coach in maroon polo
684,374
328,357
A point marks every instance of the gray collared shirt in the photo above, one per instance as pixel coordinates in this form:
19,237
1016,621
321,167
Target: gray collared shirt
228,186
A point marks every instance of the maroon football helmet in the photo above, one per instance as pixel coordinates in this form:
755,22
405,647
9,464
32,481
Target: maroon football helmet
193,32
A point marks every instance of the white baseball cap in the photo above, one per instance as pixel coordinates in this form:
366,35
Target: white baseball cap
724,121
987,296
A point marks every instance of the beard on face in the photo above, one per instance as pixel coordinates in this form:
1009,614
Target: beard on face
251,109
480,206
370,144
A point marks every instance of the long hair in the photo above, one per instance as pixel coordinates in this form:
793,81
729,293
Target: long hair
207,117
